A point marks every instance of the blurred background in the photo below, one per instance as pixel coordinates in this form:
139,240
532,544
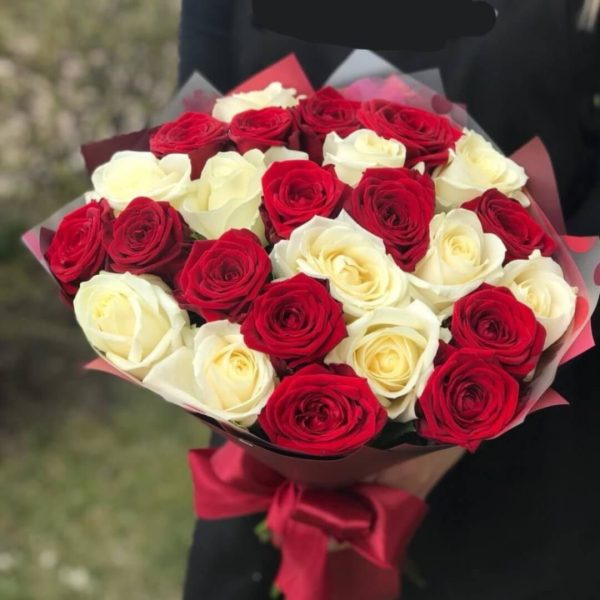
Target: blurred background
95,496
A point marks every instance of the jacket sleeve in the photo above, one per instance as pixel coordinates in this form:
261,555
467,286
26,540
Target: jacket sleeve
586,219
205,41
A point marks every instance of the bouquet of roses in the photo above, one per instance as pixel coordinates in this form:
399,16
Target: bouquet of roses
339,280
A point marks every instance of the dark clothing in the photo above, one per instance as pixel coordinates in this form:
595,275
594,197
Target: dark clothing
520,518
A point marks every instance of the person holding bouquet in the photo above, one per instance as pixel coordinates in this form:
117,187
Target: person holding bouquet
518,519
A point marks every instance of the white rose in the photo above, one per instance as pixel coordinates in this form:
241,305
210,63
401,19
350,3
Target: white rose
459,259
539,282
361,150
393,348
220,377
475,167
227,195
281,154
361,275
128,175
273,95
133,320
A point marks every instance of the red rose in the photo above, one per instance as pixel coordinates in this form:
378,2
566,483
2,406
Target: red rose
264,128
396,205
190,131
512,223
221,278
76,253
294,191
468,399
323,112
194,133
427,136
491,318
295,321
147,237
321,411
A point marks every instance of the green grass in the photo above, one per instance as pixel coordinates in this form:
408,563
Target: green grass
97,501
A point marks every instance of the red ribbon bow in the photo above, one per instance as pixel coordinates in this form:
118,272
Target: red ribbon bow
373,524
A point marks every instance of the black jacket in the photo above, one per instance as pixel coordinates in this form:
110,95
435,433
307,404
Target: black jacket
520,518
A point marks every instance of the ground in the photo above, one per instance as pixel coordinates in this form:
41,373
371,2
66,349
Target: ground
96,499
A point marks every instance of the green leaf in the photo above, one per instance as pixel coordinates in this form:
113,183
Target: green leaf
275,592
262,532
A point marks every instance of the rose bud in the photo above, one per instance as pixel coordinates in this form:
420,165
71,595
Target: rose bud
512,223
322,412
294,191
468,399
491,318
295,321
264,128
190,131
221,278
147,237
427,136
76,252
323,112
396,205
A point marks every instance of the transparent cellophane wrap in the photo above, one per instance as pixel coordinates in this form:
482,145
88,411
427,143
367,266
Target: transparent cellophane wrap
362,76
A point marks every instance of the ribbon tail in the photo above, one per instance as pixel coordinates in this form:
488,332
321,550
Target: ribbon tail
224,486
377,573
302,573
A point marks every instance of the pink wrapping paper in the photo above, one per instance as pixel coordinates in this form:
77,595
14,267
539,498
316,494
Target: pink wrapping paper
287,71
579,257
